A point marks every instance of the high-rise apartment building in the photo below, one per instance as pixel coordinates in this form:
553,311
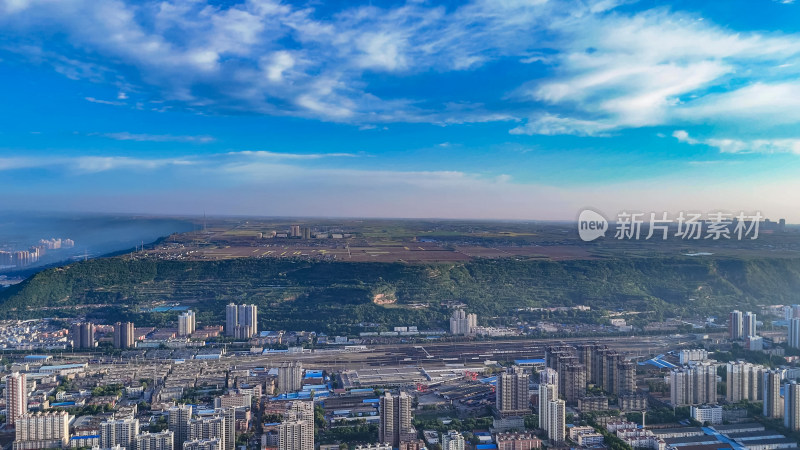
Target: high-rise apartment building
574,383
203,444
744,382
611,361
155,441
219,423
300,410
16,397
556,420
247,321
241,321
749,325
625,378
695,385
773,403
463,323
793,339
453,440
187,323
395,425
82,335
120,432
42,430
791,411
548,376
123,335
290,377
547,393
231,319
296,431
586,352
735,325
512,396
179,418
296,435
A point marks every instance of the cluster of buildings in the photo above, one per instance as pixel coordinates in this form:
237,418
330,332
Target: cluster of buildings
241,321
462,323
22,258
579,365
695,384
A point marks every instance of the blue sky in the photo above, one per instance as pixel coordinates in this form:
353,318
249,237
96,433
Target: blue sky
502,109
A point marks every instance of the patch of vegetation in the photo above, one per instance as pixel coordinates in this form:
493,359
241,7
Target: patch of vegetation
336,297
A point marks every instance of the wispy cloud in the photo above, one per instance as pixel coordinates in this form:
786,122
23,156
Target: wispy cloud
279,155
125,136
729,145
551,124
606,69
90,164
241,160
103,102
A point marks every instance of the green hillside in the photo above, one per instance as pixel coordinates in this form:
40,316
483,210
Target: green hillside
337,296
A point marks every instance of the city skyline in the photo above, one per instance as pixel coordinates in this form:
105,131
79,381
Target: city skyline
274,109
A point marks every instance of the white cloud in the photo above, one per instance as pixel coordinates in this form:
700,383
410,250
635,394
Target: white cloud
89,164
277,64
729,145
758,103
93,164
125,136
279,155
103,102
606,70
654,67
683,136
551,124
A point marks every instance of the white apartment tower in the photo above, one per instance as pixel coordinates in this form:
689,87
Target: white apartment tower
155,441
296,432
744,382
296,435
556,420
547,393
463,323
203,444
120,432
46,430
187,322
695,385
453,440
